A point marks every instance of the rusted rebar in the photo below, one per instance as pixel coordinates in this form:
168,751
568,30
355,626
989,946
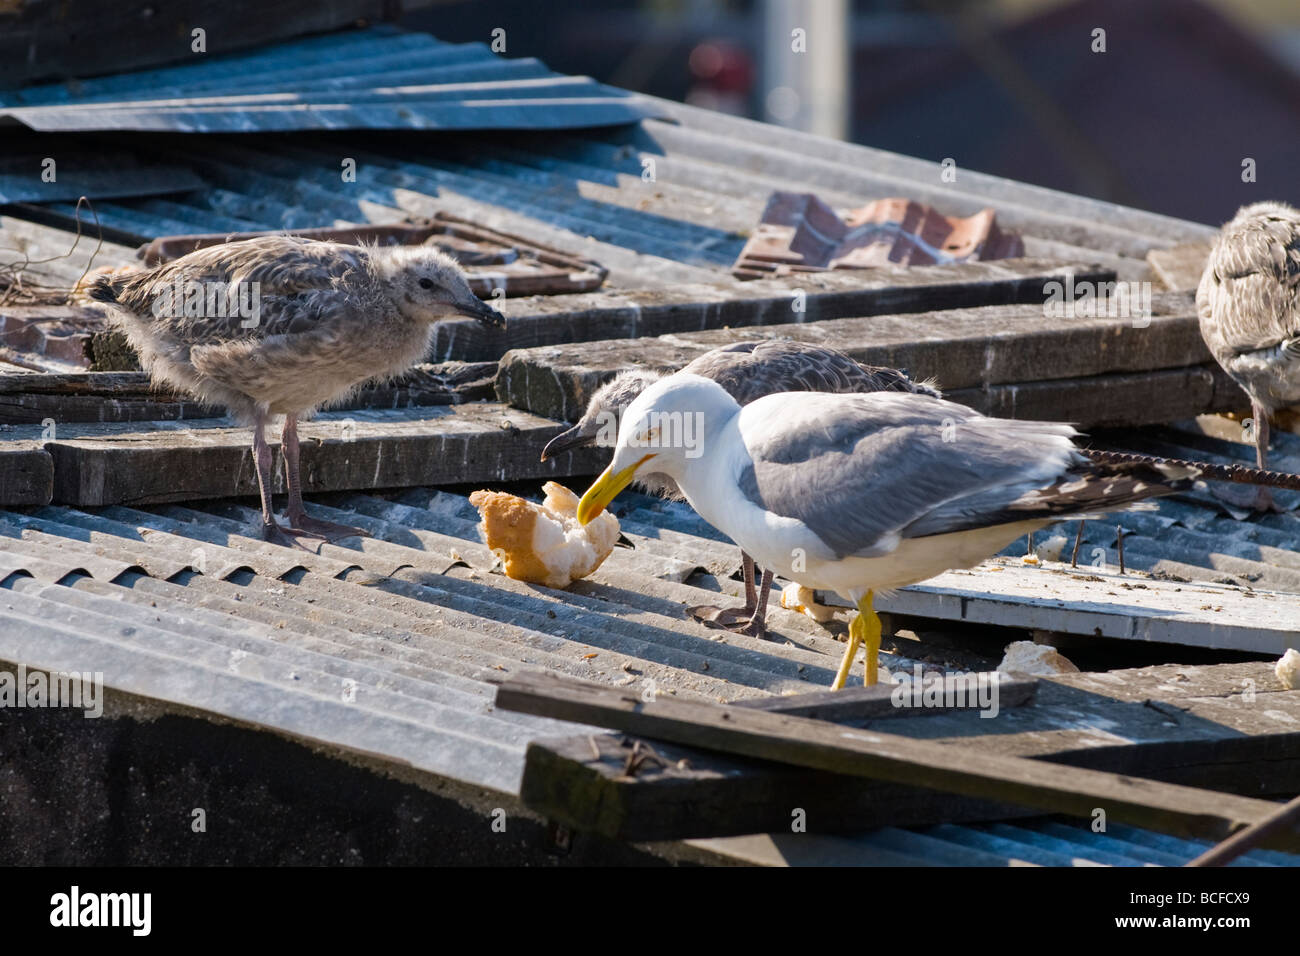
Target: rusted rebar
1243,841
1239,474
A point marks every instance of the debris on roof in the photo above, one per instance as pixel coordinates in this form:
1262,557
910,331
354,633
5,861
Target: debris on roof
801,233
495,263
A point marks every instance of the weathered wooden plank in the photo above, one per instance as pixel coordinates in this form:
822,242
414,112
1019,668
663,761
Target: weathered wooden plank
859,704
1128,399
1169,808
56,258
1168,732
26,473
100,464
583,783
960,348
556,320
129,396
1100,602
1180,267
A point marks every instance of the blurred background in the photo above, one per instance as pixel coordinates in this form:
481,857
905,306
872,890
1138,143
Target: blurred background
1160,111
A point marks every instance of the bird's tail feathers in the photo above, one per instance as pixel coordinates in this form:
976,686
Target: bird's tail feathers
104,289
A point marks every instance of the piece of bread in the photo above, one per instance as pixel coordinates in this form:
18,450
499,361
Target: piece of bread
544,544
796,597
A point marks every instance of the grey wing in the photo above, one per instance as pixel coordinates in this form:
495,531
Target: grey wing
1249,295
863,471
751,370
299,286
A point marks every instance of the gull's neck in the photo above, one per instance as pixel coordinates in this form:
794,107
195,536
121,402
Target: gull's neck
709,480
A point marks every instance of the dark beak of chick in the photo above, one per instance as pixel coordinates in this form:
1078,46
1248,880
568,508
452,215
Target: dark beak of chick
478,309
566,440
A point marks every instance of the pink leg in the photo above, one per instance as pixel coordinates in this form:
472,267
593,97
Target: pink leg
755,627
1263,496
262,458
751,596
300,522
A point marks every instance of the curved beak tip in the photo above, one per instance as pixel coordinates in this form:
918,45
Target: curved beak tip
480,310
565,441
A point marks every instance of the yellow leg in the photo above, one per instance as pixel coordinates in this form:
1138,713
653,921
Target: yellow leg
863,629
869,626
842,675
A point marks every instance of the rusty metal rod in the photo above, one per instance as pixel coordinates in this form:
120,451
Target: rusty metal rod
1210,472
1287,815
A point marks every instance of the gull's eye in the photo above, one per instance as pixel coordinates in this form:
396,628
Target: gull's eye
426,283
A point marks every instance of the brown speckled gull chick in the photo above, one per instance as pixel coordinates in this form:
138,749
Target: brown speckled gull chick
284,326
1248,301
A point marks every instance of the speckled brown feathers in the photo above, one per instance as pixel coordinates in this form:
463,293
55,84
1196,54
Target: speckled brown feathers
329,318
1249,302
750,370
282,326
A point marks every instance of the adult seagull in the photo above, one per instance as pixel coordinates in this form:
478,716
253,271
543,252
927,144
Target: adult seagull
863,493
748,371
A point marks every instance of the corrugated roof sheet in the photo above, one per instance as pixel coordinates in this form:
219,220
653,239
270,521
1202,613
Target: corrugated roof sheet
378,78
389,648
1040,841
665,201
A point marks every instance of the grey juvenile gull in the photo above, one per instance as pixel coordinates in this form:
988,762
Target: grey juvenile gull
1249,306
864,493
283,326
748,371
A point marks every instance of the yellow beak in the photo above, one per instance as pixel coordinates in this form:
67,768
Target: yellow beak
605,489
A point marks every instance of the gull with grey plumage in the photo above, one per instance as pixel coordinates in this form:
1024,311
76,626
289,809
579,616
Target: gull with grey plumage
1248,302
747,371
329,318
862,493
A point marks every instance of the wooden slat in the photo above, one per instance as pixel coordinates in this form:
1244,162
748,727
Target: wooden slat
1182,811
975,348
556,320
1180,267
1100,602
858,704
172,461
704,794
1176,723
129,396
26,473
1128,399
53,259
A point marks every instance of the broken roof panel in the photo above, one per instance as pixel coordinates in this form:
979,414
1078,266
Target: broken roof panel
378,78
